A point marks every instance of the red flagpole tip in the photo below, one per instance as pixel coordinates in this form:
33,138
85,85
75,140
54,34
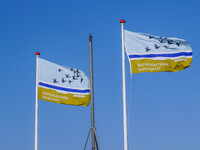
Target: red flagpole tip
37,53
122,21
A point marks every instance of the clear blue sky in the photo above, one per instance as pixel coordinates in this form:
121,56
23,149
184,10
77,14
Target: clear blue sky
164,107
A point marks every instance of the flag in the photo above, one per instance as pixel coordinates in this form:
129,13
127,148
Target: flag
148,53
62,85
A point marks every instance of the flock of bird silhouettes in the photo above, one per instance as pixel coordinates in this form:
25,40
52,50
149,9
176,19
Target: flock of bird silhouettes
71,78
162,40
77,72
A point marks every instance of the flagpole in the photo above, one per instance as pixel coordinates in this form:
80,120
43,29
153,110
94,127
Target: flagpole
36,103
92,91
124,88
92,129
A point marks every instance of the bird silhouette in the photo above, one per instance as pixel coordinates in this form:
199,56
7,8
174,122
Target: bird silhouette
170,42
78,71
156,46
70,81
63,80
77,75
166,46
67,75
81,80
74,77
162,41
151,37
55,81
147,49
178,43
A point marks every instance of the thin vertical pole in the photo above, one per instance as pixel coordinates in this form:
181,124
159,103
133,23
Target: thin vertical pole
92,91
36,103
124,88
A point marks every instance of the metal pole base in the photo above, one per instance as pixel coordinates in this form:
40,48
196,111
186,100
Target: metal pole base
96,141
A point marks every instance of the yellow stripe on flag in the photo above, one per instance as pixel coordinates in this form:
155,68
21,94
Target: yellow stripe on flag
150,65
61,98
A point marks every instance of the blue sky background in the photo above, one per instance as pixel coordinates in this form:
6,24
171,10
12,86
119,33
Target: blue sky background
163,107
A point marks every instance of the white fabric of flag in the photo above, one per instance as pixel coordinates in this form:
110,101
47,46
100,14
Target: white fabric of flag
149,53
63,85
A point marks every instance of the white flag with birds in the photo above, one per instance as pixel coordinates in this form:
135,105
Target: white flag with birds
148,53
62,85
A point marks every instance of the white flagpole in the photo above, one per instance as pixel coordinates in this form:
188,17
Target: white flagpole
36,103
124,87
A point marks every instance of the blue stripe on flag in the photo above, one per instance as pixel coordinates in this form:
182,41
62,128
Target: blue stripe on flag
63,89
162,55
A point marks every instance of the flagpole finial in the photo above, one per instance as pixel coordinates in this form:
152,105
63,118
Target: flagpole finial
37,53
122,21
